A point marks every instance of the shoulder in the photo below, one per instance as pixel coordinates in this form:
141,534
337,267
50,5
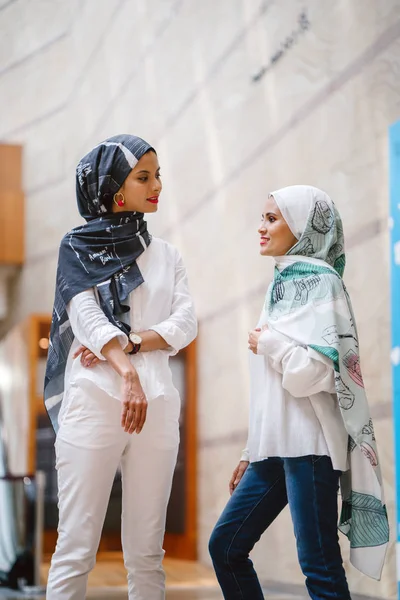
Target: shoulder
166,249
304,282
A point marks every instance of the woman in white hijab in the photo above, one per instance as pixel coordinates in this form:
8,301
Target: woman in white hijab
309,425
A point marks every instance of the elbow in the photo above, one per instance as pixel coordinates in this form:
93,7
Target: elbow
188,337
296,391
299,389
189,328
193,331
295,388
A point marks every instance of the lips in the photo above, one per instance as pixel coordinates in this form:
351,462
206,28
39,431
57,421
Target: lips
153,199
264,241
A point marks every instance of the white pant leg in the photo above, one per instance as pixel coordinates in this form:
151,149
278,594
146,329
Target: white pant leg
89,446
147,469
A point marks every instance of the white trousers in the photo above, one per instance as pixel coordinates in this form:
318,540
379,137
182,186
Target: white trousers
90,446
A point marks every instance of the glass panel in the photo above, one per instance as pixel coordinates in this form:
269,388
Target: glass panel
45,461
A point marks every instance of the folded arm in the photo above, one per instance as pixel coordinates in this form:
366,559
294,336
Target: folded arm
304,371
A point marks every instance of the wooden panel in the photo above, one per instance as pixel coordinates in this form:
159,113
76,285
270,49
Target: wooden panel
12,227
185,545
12,222
10,167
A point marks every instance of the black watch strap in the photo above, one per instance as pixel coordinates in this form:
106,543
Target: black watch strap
135,348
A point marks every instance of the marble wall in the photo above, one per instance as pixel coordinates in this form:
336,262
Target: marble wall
239,97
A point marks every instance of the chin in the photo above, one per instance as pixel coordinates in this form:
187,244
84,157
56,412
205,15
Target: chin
151,208
265,252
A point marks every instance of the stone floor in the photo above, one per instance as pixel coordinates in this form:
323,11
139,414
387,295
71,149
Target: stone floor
185,580
178,594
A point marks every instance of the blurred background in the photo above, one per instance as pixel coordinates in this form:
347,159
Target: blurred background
239,97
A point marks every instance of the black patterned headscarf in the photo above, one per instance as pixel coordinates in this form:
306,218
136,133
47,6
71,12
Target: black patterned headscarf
103,251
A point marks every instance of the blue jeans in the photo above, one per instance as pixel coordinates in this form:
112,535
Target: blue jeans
310,486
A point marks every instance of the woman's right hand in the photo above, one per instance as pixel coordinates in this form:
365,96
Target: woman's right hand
134,403
237,475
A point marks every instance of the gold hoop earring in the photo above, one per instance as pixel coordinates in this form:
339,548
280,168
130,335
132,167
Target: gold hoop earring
120,202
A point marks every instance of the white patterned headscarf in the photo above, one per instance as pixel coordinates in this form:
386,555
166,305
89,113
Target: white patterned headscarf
314,220
308,302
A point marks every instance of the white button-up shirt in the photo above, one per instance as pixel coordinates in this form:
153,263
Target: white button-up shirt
162,303
293,404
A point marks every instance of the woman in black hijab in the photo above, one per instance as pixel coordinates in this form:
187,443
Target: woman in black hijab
122,307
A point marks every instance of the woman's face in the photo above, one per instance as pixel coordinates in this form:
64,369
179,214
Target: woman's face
276,238
142,187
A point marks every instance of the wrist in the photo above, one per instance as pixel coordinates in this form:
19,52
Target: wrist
136,342
128,348
145,337
129,373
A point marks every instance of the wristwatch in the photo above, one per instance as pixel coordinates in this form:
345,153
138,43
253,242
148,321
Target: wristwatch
136,343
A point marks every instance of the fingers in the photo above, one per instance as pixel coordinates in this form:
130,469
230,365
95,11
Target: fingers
140,412
95,361
232,481
129,424
91,361
132,419
124,413
237,476
237,479
134,407
134,415
88,359
78,351
142,417
253,342
85,356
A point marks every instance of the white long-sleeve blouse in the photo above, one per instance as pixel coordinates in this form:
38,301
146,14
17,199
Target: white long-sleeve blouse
293,405
162,303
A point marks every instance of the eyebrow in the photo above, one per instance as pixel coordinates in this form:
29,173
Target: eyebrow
269,214
148,172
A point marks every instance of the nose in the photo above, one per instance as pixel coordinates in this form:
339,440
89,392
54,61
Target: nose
157,186
262,229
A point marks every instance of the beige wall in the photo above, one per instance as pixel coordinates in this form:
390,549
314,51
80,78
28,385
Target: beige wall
179,73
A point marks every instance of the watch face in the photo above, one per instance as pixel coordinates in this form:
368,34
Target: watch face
135,339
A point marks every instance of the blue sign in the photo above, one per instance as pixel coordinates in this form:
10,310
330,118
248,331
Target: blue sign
394,223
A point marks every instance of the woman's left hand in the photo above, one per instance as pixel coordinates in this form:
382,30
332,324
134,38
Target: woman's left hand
253,339
88,359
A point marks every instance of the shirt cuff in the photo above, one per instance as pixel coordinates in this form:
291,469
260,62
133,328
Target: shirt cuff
103,336
245,455
272,345
174,336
